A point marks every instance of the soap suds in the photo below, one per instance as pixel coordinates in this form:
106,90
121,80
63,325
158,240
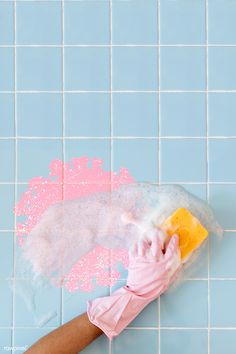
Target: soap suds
73,241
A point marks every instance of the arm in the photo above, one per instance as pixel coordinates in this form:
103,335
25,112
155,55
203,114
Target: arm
70,338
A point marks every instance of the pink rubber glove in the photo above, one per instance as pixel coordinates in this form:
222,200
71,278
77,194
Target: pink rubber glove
151,271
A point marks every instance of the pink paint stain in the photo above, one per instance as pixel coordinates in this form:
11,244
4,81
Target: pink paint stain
71,181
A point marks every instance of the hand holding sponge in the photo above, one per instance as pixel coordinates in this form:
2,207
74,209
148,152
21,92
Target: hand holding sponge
151,271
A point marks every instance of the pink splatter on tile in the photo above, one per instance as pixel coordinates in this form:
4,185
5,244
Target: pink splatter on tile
71,181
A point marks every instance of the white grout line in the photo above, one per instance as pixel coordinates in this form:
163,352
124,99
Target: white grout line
132,328
177,137
111,128
159,147
15,185
114,91
129,45
63,138
208,189
124,279
148,182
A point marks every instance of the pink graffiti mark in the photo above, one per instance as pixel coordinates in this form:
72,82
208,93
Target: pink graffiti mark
70,181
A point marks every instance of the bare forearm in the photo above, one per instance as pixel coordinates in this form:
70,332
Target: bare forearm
70,338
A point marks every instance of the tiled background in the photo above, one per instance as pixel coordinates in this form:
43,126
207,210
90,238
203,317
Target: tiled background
145,84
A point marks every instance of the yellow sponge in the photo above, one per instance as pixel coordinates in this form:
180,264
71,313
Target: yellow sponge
191,232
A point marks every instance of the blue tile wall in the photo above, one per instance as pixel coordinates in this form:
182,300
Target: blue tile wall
135,114
221,124
128,152
7,69
132,342
222,199
221,154
39,68
87,22
223,293
176,155
221,15
186,306
183,114
6,303
135,68
87,68
82,108
178,15
7,158
182,68
133,83
222,75
5,340
38,22
184,341
6,206
7,125
222,249
39,114
6,23
143,27
223,341
46,150
6,247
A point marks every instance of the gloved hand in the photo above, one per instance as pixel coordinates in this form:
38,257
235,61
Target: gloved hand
151,271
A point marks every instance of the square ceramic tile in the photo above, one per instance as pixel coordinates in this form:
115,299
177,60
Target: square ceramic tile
35,156
24,338
182,22
222,199
149,315
75,303
6,69
89,148
183,68
5,303
134,68
5,340
38,22
222,75
87,68
6,254
139,156
184,341
7,160
221,22
7,124
86,22
87,114
221,155
222,294
222,249
198,190
39,114
183,114
36,305
223,341
143,27
135,114
6,23
99,346
221,123
6,206
185,306
39,68
183,160
135,342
